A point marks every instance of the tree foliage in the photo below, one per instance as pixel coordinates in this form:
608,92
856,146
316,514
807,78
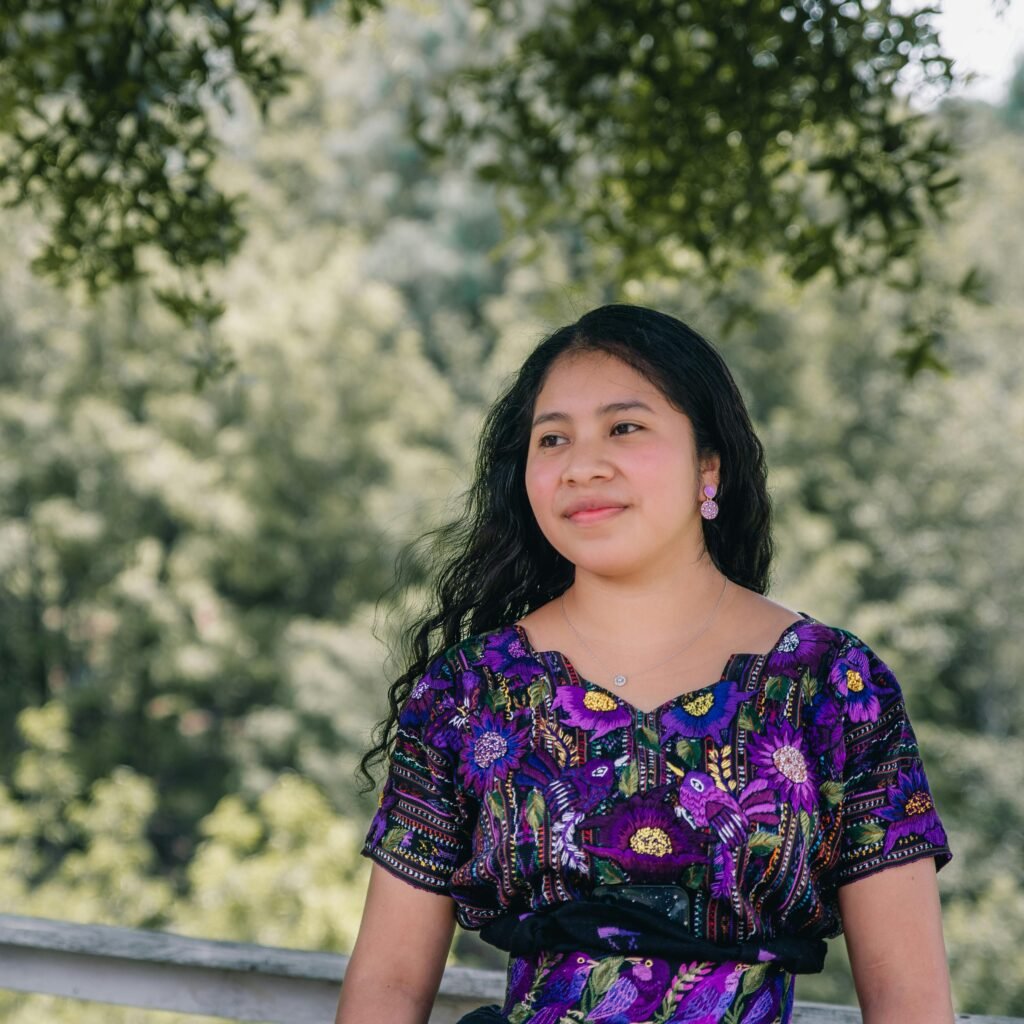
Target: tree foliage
732,130
673,130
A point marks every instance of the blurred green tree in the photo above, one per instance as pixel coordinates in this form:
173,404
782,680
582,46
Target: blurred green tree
672,131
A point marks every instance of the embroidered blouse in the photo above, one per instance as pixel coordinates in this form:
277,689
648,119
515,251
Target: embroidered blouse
515,784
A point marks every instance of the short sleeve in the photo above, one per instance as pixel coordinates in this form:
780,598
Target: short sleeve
888,815
419,831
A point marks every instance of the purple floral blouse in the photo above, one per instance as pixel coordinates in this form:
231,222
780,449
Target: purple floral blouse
516,784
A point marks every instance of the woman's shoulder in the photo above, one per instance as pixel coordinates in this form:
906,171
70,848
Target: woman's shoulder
829,652
786,638
794,642
501,648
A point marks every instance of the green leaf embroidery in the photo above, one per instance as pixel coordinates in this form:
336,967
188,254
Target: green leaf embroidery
535,809
472,647
538,692
762,843
777,688
393,838
648,738
629,780
750,720
810,686
753,978
867,835
495,804
695,876
806,825
683,982
832,792
689,752
608,871
603,976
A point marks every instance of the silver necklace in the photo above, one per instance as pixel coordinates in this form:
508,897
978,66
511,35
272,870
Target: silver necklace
620,679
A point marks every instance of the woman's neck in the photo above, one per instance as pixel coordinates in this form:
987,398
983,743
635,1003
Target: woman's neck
641,615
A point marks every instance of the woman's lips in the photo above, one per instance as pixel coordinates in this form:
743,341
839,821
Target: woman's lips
593,515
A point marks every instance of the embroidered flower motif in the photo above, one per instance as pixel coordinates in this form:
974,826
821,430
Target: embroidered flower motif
495,747
706,712
851,674
505,653
591,709
801,647
782,759
645,837
911,811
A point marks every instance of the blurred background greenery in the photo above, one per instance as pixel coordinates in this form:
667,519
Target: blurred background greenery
191,644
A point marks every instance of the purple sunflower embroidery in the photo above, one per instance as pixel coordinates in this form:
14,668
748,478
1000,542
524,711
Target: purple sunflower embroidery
495,746
645,837
706,712
852,675
506,654
911,811
591,709
783,763
801,647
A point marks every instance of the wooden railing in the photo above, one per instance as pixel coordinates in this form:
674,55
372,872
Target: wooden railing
234,980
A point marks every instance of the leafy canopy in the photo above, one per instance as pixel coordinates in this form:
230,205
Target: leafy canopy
687,133
733,129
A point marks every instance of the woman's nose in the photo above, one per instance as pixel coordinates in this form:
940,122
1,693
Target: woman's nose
585,462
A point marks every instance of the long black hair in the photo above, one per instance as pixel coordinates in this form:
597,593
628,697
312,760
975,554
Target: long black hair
493,564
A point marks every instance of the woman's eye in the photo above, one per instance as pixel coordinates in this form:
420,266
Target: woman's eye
548,440
555,440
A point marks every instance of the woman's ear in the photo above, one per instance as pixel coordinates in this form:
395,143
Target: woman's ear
710,469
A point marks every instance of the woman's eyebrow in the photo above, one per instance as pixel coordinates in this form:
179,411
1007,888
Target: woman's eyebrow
604,410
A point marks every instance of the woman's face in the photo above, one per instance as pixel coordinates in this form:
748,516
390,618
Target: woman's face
612,473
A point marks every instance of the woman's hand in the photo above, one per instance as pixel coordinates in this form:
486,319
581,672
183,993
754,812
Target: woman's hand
399,955
893,928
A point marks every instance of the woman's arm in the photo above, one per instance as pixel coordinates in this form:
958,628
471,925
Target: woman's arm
893,928
399,955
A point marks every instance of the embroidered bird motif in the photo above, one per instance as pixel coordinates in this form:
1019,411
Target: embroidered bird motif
707,806
579,788
708,1003
564,983
764,1008
635,995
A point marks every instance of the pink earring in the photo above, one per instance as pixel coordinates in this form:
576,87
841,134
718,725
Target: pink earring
709,507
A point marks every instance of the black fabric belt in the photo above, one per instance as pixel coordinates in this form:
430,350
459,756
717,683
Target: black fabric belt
638,920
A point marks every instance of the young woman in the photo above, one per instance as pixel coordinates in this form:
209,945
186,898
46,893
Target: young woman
656,788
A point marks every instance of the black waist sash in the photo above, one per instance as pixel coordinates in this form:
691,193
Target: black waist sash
641,920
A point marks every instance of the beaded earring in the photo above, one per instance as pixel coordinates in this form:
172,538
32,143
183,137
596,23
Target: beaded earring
709,507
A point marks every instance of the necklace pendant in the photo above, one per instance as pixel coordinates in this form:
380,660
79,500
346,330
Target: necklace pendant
619,680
